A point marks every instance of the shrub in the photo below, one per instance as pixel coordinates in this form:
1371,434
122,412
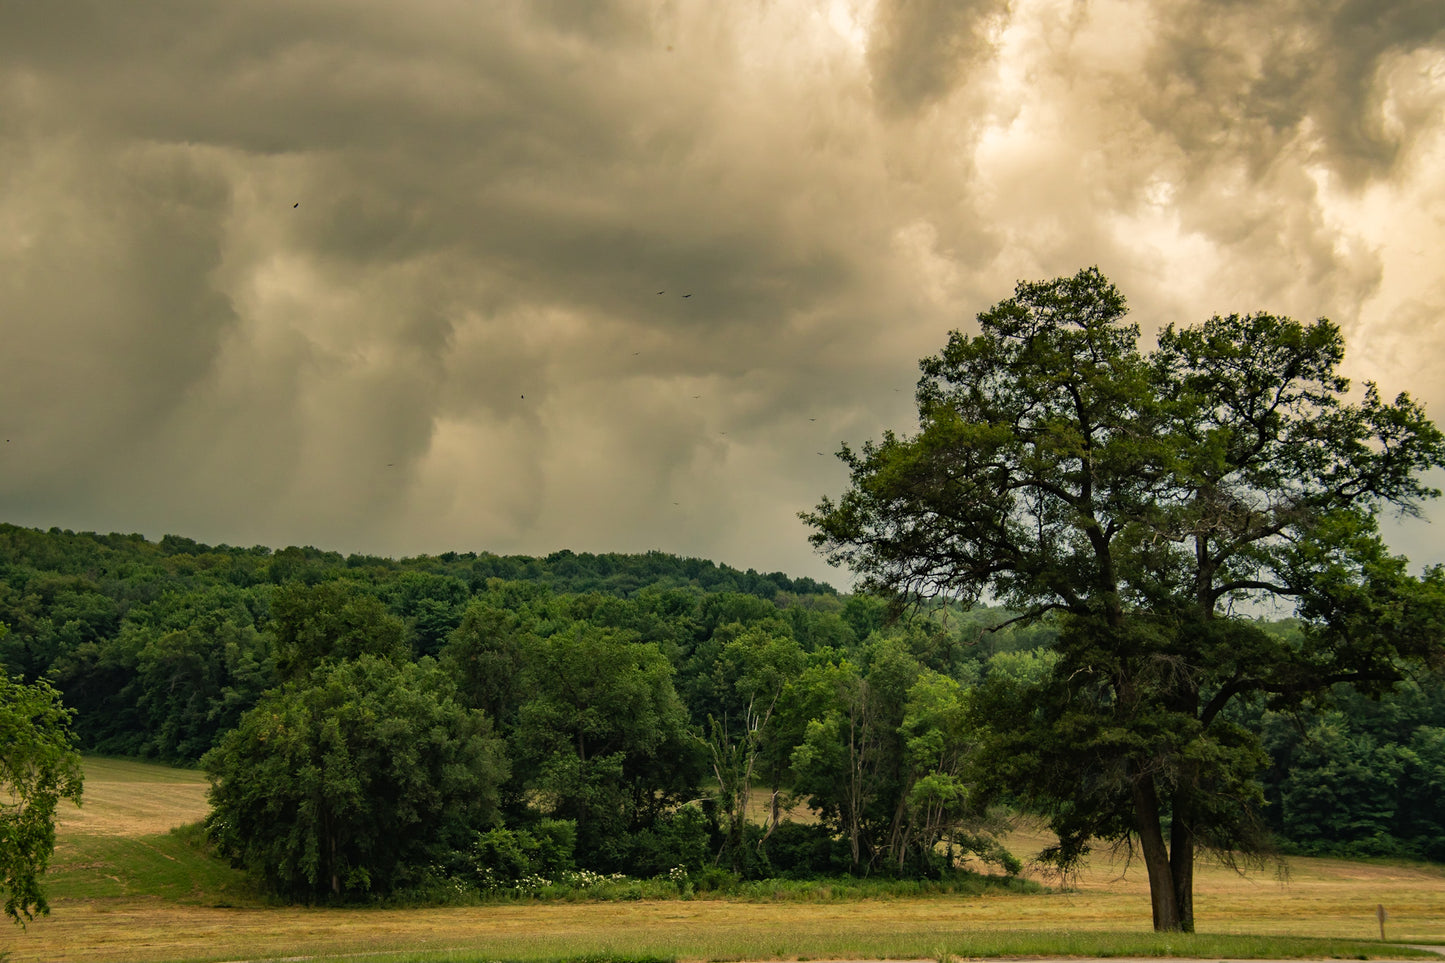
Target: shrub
507,858
677,839
804,850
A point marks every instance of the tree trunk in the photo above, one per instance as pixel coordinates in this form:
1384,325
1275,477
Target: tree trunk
856,735
1181,853
1162,893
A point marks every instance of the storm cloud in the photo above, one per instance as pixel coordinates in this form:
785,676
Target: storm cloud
404,278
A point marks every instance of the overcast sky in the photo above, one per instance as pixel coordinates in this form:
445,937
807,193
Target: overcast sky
477,275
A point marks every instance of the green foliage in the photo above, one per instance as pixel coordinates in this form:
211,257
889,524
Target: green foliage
886,758
603,739
199,662
91,613
484,655
624,687
750,676
678,883
353,781
1060,469
431,604
39,766
331,620
506,858
578,572
679,841
1365,776
800,850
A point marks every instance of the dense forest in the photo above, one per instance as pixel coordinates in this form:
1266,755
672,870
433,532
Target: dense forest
371,724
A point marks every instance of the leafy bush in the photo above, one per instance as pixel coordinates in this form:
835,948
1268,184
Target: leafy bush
805,850
353,782
509,858
676,839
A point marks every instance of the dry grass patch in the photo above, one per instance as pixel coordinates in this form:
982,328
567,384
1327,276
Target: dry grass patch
132,802
110,932
125,798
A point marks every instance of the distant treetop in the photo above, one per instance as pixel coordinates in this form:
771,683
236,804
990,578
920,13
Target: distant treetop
116,556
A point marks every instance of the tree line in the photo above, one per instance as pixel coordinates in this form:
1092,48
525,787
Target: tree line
530,731
337,704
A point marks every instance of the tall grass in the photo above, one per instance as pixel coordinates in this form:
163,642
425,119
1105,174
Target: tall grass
713,884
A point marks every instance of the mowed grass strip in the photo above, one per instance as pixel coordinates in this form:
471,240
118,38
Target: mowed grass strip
154,895
137,834
174,866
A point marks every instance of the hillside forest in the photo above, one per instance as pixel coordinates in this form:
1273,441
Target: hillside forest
376,726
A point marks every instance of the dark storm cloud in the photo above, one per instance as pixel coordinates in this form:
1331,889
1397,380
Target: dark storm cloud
111,319
386,277
1247,78
920,50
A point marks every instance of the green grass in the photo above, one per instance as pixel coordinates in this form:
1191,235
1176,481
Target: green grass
181,866
943,948
471,958
112,769
1191,945
178,866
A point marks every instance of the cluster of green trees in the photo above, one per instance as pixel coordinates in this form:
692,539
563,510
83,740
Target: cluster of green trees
160,646
373,726
1363,777
379,727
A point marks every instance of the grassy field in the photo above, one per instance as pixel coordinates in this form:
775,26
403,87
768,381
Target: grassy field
123,887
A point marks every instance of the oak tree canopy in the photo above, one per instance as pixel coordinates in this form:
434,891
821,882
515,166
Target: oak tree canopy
1157,500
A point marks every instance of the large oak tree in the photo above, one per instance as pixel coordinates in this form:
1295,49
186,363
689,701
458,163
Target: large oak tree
1156,499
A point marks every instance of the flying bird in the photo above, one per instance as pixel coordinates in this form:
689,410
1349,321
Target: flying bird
687,295
297,204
